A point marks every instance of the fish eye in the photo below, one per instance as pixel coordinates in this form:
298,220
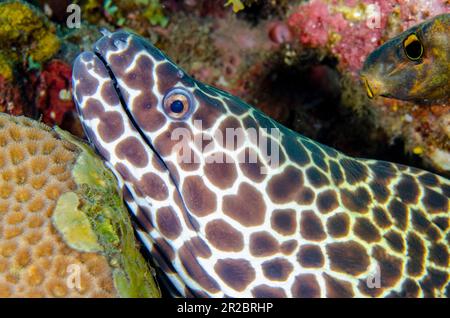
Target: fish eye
413,47
177,103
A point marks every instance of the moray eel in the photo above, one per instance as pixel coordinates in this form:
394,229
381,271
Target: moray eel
413,66
264,212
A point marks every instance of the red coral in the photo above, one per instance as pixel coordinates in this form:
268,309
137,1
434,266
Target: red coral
11,100
53,91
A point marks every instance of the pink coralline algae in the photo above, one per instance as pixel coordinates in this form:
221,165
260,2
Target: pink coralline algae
53,91
351,29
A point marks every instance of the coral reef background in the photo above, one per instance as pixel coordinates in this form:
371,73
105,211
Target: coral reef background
296,60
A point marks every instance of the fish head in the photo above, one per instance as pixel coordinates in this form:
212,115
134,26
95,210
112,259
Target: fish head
412,66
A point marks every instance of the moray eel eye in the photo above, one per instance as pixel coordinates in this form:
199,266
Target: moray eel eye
177,106
413,47
177,103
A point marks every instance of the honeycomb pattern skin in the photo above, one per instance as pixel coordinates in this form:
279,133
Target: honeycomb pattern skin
35,169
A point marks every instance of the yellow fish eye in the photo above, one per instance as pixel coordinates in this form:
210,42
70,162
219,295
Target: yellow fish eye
413,47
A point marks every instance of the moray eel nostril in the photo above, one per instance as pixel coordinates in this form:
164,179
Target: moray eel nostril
223,220
120,44
105,32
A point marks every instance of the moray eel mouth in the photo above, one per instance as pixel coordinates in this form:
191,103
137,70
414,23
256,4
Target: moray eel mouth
120,90
102,48
104,69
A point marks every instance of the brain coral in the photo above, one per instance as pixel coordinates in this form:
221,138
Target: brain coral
35,259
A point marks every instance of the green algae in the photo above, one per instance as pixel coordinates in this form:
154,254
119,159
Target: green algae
154,13
24,33
74,225
237,5
151,10
98,198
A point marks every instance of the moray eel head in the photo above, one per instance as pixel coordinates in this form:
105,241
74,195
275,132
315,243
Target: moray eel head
159,98
413,66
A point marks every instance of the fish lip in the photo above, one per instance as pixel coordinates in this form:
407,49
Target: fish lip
369,90
417,101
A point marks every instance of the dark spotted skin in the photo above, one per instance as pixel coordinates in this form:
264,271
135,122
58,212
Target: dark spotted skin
318,224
